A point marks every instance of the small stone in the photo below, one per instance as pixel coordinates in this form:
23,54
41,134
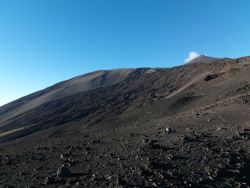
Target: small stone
39,168
63,171
145,141
94,177
168,130
6,161
154,184
21,173
239,165
218,129
48,180
77,184
69,153
210,178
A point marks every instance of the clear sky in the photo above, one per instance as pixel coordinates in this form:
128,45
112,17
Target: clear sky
46,41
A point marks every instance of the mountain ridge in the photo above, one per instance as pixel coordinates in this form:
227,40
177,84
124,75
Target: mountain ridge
95,81
147,127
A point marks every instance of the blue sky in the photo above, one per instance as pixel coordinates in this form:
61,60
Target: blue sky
46,41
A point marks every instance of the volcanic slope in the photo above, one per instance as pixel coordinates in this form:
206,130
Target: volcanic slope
147,127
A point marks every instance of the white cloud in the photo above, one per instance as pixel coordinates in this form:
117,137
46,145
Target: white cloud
191,56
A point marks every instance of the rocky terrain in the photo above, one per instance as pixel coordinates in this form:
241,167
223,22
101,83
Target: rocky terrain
187,126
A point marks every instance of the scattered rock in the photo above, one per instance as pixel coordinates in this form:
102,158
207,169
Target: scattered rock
63,171
49,180
210,77
21,173
32,158
168,130
72,182
66,155
5,161
38,168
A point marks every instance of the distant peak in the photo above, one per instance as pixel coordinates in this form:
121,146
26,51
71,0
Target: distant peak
195,57
203,59
191,56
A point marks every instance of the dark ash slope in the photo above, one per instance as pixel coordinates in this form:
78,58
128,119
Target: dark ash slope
108,128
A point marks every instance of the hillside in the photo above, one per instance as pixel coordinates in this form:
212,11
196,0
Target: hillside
186,126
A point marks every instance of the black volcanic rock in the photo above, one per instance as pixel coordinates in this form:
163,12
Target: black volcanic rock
63,171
